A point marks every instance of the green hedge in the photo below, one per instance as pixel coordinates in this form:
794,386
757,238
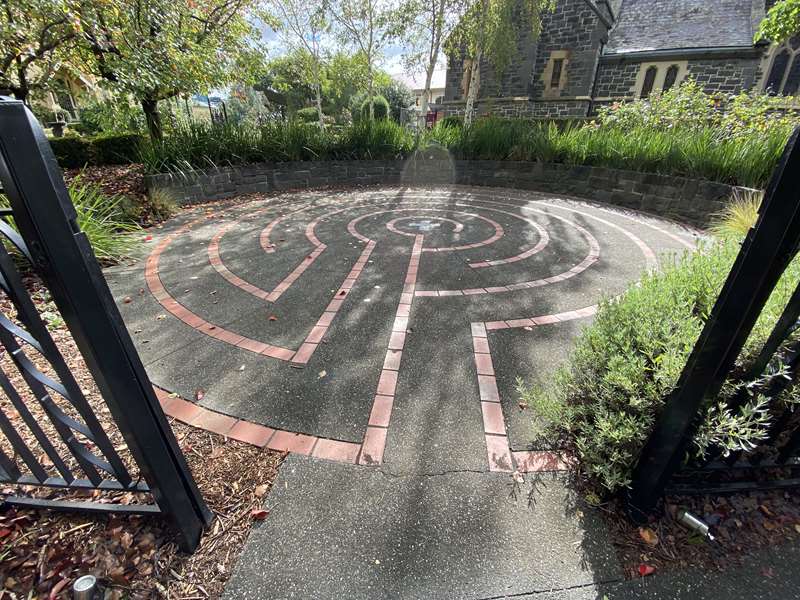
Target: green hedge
74,152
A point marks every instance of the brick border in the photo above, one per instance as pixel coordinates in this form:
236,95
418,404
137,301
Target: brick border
370,451
498,450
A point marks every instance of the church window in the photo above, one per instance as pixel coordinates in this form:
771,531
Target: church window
555,76
649,81
670,78
783,76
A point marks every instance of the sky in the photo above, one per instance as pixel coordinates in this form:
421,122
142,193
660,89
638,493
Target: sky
392,63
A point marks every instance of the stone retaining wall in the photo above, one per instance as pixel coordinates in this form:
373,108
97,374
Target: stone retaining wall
689,200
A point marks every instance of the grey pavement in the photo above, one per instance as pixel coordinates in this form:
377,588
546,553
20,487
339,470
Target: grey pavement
432,521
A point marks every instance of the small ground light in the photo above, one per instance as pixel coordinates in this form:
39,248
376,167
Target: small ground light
694,524
84,588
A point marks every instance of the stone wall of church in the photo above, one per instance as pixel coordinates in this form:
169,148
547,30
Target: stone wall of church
574,28
617,79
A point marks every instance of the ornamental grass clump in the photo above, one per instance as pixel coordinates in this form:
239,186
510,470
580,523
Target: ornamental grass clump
604,401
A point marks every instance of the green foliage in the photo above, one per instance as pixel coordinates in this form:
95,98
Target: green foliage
73,152
35,37
398,95
708,152
781,23
380,108
308,114
102,219
740,214
113,116
688,108
606,399
203,145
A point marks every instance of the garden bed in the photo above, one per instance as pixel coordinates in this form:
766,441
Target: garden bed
42,552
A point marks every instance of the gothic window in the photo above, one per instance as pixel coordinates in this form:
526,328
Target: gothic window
555,76
670,78
649,81
783,76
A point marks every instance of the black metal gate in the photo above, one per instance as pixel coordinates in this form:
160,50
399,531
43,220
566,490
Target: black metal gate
765,254
50,239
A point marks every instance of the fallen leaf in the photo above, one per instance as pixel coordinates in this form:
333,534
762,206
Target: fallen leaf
522,405
797,527
273,318
127,300
199,394
260,490
648,535
322,374
645,570
259,514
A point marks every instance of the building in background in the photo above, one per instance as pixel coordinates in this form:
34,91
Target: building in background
595,52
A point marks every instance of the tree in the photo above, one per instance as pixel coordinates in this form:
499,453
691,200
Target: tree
431,23
288,80
157,49
781,23
369,26
489,30
35,35
303,23
398,95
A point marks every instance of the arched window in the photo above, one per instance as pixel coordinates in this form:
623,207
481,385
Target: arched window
776,73
649,80
783,76
670,78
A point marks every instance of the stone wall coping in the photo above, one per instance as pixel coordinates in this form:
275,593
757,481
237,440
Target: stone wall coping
690,200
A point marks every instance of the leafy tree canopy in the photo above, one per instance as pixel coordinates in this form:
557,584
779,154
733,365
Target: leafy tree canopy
157,49
781,23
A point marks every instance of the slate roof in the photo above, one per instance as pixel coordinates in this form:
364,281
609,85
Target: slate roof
669,24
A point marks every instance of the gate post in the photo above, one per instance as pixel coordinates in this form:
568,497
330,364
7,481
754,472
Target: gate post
64,259
765,254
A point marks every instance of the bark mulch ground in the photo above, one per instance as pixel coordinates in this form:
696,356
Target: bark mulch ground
740,523
42,552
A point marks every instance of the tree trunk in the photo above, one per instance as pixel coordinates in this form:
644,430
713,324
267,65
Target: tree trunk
474,83
150,109
370,90
318,89
426,95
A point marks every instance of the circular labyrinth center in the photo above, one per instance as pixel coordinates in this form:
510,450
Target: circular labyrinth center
382,324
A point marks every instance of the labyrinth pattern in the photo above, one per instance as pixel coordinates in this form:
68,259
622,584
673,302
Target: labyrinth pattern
305,322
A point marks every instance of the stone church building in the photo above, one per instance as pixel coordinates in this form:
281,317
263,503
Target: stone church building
594,52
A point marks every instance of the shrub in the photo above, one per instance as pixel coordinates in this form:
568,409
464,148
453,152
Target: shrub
308,114
203,145
604,401
120,149
73,152
102,219
380,108
450,121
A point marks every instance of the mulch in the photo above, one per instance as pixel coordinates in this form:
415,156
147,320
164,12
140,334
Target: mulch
114,180
43,552
740,524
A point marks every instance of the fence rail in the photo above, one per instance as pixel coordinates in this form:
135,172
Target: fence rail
765,254
46,234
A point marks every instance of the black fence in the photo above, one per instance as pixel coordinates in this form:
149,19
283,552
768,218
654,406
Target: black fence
766,252
65,445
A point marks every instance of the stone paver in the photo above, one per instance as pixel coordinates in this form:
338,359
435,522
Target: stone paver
376,335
